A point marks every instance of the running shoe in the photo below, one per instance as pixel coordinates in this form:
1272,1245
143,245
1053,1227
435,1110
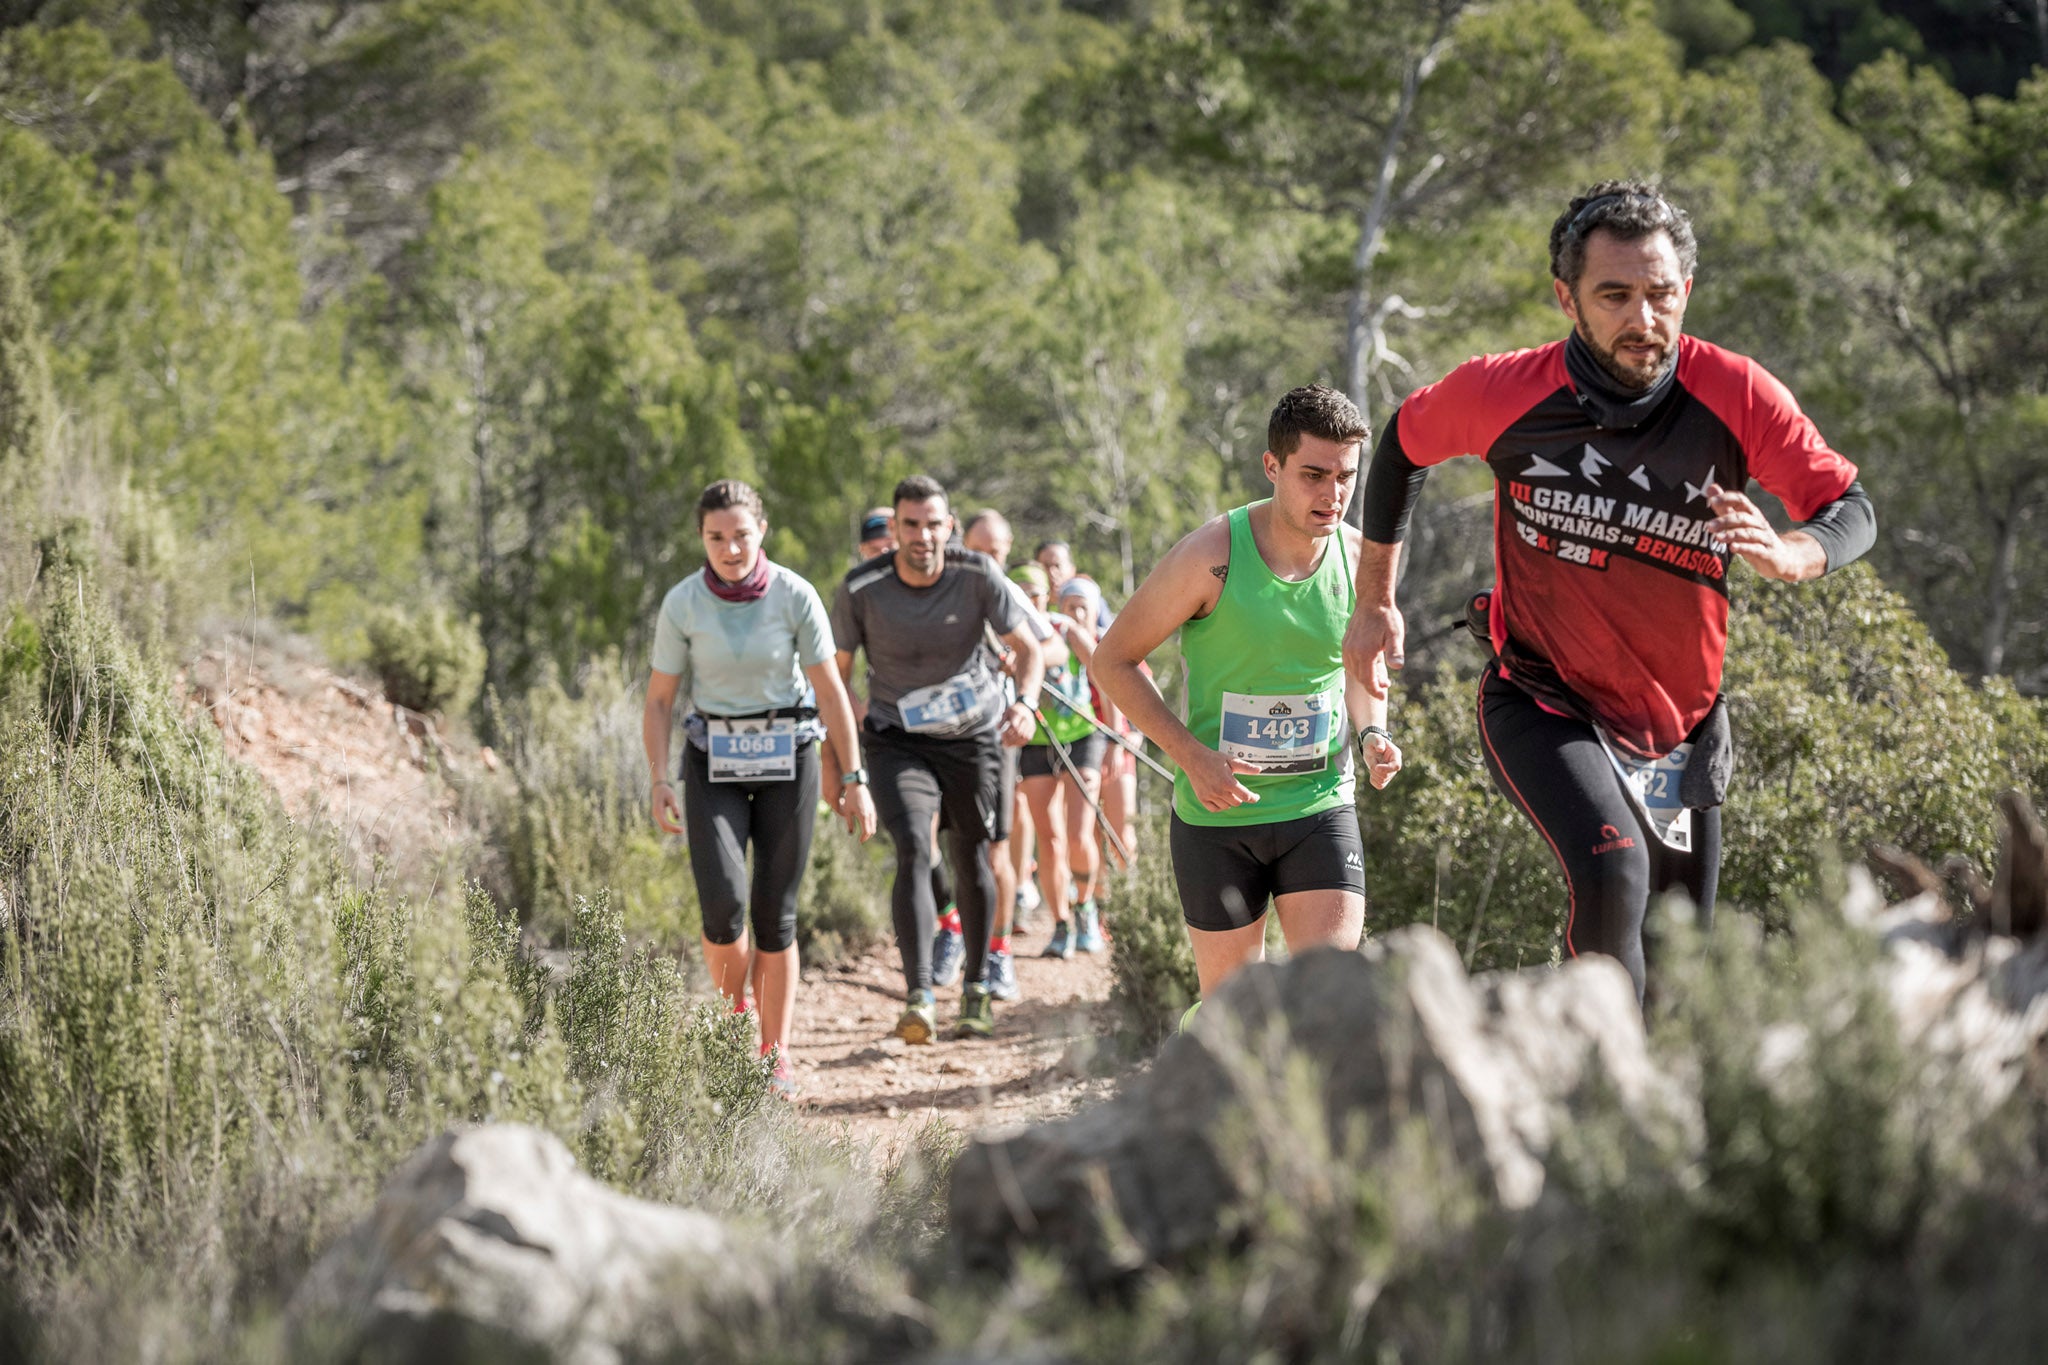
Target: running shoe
977,1017
1187,1020
949,950
1061,944
1001,977
1089,938
920,1019
782,1080
1023,915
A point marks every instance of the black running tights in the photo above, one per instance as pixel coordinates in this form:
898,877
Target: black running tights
1556,772
913,779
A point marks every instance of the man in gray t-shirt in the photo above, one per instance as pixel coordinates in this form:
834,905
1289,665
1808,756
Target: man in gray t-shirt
921,637
937,719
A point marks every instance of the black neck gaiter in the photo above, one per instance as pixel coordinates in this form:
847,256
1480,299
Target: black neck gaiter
1605,401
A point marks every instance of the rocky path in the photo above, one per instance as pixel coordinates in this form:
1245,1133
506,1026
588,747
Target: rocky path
1046,1057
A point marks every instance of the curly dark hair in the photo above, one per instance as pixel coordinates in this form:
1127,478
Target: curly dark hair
1313,410
728,494
1631,210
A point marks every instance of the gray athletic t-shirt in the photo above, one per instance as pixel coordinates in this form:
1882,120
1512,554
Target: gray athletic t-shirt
925,643
742,658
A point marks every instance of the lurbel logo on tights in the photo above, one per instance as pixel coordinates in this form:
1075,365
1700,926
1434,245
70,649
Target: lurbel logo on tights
1612,839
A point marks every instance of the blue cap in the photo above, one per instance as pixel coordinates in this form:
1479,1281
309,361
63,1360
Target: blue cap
874,528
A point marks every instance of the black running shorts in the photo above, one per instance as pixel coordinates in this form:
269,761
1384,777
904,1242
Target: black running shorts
1040,761
914,775
1228,873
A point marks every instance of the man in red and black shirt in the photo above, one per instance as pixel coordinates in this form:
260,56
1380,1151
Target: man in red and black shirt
1620,456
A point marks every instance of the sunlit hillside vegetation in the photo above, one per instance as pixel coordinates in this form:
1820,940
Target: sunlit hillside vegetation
416,328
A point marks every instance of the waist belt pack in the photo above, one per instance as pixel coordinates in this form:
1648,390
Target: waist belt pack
697,728
1705,782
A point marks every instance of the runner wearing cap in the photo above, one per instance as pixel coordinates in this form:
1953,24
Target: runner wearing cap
877,533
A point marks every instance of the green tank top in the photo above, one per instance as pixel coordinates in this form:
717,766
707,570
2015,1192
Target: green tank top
1266,683
1065,705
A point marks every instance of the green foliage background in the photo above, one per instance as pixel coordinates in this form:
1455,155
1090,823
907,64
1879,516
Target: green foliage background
317,312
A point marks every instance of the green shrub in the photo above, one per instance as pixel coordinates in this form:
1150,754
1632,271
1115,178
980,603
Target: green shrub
576,819
1152,969
1852,728
214,1043
664,1075
429,660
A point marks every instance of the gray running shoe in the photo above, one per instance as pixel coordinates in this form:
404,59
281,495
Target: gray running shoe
1001,976
1089,937
949,950
1061,944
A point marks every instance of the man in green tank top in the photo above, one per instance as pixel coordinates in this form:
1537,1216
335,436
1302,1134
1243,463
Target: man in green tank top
1264,806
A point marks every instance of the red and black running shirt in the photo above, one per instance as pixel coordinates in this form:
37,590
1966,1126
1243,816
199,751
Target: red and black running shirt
1602,564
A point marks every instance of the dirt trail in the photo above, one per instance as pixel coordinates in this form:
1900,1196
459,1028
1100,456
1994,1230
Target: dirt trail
1043,1061
331,747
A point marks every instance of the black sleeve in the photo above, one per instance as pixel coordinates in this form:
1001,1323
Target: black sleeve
1391,487
1846,528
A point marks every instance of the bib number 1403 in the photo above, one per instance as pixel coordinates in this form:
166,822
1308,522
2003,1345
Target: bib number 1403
1278,734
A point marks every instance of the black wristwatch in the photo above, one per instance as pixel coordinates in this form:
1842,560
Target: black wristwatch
1369,731
857,778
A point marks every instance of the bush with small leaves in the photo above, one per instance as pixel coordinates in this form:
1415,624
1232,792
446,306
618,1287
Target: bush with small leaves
428,660
1152,969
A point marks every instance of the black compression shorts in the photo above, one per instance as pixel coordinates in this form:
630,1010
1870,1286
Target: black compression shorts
1040,761
1227,873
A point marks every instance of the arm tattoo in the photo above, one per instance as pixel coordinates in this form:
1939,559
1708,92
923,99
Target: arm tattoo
1222,571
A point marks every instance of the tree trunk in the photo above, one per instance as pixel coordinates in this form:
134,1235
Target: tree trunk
1359,322
1998,613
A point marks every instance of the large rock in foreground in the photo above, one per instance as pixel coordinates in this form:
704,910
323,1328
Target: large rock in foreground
1394,1035
490,1244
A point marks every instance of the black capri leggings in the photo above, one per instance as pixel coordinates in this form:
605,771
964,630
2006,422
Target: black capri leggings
721,819
1554,769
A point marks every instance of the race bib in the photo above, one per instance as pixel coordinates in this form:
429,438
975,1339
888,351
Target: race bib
1279,734
946,710
752,750
1654,783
